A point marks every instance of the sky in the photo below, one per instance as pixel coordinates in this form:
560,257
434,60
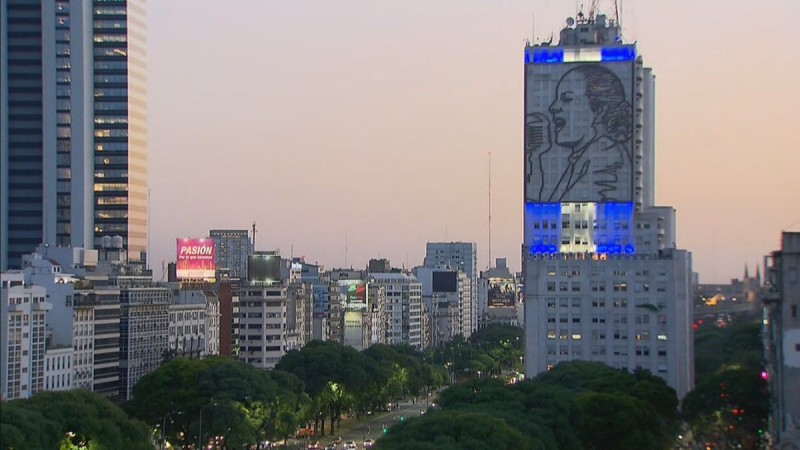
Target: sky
361,129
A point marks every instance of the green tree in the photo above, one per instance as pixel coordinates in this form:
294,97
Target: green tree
81,417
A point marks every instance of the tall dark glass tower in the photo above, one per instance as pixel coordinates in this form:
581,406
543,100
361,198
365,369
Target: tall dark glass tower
73,134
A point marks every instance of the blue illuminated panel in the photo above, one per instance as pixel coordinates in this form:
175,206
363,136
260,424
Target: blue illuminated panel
611,54
549,216
616,223
612,228
544,56
556,55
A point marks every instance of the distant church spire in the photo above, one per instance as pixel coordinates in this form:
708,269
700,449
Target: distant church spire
746,274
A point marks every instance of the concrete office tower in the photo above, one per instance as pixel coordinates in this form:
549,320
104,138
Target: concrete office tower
232,249
603,277
73,125
782,341
460,256
23,314
143,325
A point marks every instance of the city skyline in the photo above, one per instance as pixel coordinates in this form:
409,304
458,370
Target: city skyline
368,127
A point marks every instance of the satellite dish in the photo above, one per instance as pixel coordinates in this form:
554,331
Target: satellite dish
570,21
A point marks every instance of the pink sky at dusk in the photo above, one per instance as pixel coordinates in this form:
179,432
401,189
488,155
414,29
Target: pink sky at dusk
371,123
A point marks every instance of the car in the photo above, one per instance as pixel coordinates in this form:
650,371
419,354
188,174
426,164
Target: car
350,445
369,443
313,446
305,432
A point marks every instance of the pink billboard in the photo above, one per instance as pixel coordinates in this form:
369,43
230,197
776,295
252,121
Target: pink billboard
196,259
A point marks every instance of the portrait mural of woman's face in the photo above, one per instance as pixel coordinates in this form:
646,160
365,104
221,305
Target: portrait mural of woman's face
571,115
579,142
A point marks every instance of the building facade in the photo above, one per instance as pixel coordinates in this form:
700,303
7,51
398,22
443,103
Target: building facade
194,323
603,277
143,329
782,341
458,256
232,249
498,296
73,146
23,318
402,308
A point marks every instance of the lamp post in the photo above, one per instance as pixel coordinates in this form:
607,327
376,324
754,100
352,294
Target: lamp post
164,427
200,430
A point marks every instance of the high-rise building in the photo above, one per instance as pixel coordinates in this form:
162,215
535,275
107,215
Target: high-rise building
232,249
603,277
459,256
782,341
73,125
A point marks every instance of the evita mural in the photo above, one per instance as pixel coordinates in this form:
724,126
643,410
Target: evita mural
578,133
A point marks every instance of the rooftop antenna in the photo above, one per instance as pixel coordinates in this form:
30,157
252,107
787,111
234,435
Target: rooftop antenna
254,236
592,10
490,209
345,249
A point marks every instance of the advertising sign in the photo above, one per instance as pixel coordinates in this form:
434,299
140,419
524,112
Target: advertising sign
502,292
445,281
195,259
353,330
353,295
264,268
579,130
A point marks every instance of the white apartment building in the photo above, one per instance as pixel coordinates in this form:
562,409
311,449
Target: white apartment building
58,369
23,316
447,296
402,308
458,256
194,320
262,324
603,277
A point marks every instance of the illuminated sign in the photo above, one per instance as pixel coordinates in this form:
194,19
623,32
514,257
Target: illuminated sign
264,268
556,55
195,259
354,329
502,292
353,295
605,228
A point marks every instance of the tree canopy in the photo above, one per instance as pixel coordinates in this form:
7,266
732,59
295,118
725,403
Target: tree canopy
575,405
50,419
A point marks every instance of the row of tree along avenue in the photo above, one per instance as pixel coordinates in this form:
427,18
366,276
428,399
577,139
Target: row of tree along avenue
222,403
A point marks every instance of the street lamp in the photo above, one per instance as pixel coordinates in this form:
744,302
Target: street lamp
164,427
200,431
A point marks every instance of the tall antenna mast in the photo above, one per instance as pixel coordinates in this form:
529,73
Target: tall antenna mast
345,249
490,210
254,236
